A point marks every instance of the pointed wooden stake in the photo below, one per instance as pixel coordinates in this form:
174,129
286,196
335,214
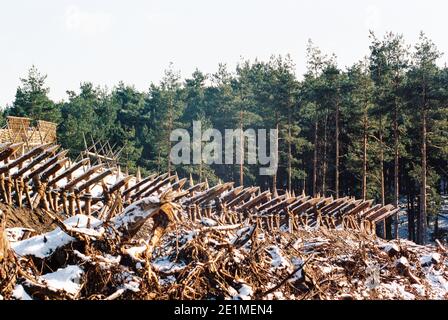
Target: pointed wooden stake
191,181
139,175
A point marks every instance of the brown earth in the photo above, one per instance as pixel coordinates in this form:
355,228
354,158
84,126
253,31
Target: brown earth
27,218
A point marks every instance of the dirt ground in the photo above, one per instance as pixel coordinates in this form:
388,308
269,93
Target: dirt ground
27,218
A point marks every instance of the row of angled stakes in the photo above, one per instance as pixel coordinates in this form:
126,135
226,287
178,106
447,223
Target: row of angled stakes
44,177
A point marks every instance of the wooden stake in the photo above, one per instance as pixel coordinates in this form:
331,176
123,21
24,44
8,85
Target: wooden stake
87,204
8,191
71,204
3,188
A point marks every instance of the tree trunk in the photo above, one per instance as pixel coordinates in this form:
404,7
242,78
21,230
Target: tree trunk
158,162
436,226
170,128
383,200
396,167
325,162
274,177
411,211
422,216
410,216
364,160
337,152
289,152
316,128
241,149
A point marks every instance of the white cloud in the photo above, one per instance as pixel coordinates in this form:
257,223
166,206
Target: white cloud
372,18
89,23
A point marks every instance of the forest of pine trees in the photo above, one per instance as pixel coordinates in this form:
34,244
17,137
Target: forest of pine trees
375,130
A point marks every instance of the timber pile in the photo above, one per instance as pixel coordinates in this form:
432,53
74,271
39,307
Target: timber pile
115,236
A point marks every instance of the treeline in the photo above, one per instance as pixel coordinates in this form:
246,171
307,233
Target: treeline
377,129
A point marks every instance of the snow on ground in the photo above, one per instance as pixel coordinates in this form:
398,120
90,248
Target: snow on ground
136,211
44,245
135,252
244,293
67,279
278,261
19,293
16,234
429,259
208,222
165,265
438,283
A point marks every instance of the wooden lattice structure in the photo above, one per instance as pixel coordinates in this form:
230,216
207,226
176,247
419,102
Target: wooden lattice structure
100,153
20,130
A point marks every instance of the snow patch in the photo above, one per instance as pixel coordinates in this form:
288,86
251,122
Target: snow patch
19,293
42,246
67,279
16,234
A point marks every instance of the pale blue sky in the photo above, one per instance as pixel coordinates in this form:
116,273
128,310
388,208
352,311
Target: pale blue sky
105,41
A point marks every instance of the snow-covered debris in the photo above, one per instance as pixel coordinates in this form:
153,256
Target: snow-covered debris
165,265
66,279
138,211
278,260
433,258
208,222
44,245
19,293
135,252
391,248
16,234
402,262
438,283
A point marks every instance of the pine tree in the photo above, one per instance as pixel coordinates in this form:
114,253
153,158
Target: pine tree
32,99
422,83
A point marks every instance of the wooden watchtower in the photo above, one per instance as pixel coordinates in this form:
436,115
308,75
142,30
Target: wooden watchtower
20,130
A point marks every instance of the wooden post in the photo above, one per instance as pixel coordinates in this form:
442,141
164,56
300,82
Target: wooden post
8,190
87,204
71,204
199,213
64,203
44,202
2,187
78,203
27,194
49,198
55,198
18,189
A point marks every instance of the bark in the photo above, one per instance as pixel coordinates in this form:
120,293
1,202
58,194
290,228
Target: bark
411,212
170,128
396,167
337,151
316,128
289,152
436,227
383,200
423,198
325,162
274,177
364,160
241,150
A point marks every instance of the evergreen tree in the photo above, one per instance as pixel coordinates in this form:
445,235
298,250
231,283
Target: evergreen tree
32,99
